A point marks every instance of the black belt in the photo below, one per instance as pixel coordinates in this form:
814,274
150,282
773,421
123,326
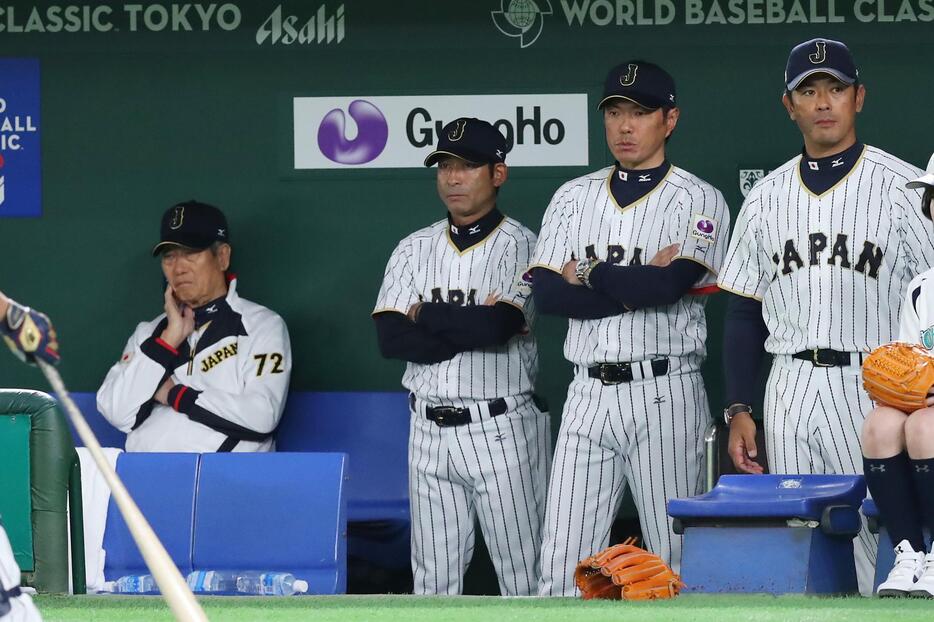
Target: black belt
616,373
449,416
824,358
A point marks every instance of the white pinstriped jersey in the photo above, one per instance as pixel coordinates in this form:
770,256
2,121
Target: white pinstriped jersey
427,266
917,317
584,219
830,270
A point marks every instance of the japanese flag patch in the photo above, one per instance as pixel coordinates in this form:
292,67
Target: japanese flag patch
704,228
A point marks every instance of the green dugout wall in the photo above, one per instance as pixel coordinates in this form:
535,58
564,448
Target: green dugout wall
149,103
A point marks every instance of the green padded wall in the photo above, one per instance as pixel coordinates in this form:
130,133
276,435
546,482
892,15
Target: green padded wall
133,121
15,487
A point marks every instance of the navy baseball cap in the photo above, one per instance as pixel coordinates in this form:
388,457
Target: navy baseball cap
470,139
193,225
820,56
644,83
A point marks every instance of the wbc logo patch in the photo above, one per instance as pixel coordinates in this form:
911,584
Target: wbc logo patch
704,228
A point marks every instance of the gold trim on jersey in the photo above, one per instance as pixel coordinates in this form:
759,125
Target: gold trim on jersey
461,253
738,293
388,310
833,187
546,267
640,199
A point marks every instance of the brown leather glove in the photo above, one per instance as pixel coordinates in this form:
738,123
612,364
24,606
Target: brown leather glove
899,375
628,572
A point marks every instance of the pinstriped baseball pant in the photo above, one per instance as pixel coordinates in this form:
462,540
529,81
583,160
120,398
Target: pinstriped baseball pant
813,419
647,434
495,470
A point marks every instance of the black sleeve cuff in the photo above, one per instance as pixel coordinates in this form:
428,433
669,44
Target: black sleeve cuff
160,352
182,398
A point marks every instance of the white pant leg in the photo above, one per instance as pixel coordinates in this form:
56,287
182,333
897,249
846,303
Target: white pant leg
506,458
666,448
442,512
22,608
813,417
587,480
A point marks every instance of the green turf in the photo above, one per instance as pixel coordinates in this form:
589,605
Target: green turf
699,608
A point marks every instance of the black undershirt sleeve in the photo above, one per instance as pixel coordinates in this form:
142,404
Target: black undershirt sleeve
471,327
555,296
639,287
400,338
744,335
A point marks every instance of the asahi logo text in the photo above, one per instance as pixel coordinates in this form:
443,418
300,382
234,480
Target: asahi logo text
321,28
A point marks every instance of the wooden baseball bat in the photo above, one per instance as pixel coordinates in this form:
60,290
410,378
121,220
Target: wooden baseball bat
173,587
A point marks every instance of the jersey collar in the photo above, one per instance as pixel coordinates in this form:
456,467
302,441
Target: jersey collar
465,236
820,174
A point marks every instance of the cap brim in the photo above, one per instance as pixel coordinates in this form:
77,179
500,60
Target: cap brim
793,84
648,104
162,246
434,156
922,182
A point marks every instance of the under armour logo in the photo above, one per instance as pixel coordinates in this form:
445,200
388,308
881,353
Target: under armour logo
474,230
211,309
221,233
813,166
836,163
922,468
877,468
623,176
645,178
659,399
500,438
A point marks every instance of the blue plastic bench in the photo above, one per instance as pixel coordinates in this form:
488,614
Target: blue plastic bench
771,533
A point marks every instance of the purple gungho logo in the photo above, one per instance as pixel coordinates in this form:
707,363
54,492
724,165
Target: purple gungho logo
705,226
372,134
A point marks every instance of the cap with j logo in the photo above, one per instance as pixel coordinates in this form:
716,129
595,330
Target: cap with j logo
192,225
470,139
820,56
640,82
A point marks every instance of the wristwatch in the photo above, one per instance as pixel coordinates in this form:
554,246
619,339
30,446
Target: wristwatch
583,270
735,409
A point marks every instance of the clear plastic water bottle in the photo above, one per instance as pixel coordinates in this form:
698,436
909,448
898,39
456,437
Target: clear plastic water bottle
133,584
213,582
270,584
245,582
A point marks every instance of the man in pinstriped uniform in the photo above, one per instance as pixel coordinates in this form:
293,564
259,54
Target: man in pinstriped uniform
824,247
455,305
636,407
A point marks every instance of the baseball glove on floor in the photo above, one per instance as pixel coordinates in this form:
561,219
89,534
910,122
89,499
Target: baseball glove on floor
899,375
628,572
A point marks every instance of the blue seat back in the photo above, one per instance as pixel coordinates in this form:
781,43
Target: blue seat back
163,486
107,435
772,496
274,511
372,428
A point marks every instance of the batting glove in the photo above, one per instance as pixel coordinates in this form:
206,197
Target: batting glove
29,334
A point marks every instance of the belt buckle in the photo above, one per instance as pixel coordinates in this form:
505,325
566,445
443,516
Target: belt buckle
614,377
815,358
444,415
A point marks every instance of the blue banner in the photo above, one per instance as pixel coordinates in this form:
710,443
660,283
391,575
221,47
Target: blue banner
20,142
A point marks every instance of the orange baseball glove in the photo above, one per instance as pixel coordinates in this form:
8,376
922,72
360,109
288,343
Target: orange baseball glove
628,572
899,375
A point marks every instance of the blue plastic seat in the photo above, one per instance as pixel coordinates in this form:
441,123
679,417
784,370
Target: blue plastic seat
163,486
772,496
274,511
372,428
